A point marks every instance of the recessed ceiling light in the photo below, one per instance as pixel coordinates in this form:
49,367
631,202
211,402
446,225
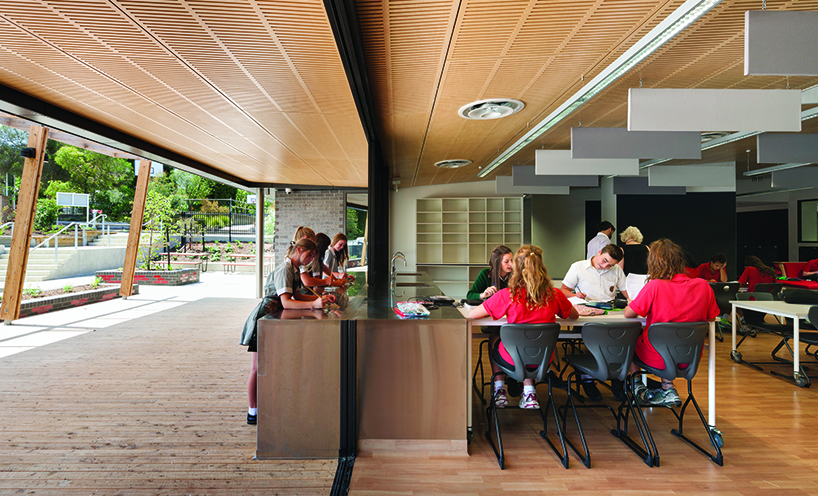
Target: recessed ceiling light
711,135
452,164
493,108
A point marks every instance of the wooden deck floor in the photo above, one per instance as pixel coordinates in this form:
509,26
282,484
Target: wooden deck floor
770,429
155,405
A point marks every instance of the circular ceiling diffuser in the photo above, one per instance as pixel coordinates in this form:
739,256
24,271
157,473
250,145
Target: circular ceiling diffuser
493,108
452,164
712,135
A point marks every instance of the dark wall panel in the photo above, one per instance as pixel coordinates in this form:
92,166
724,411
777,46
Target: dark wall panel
763,234
702,223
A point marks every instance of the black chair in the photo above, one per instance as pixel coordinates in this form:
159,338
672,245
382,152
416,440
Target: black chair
724,291
680,345
611,347
755,320
773,288
530,347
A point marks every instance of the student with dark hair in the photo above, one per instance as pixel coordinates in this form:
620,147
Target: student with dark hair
314,276
603,237
669,296
755,272
713,271
495,276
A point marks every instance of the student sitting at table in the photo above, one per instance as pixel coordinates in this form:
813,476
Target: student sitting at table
713,271
810,271
597,278
495,276
755,272
529,298
669,296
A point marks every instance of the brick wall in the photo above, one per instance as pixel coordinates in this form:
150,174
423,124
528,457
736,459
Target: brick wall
37,306
153,277
323,211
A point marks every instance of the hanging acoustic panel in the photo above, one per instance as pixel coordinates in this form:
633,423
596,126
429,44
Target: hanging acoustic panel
503,186
780,148
809,95
639,186
795,178
560,163
719,177
780,43
618,142
525,175
699,110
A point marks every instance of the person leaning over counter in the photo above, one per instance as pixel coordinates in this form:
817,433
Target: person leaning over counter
495,276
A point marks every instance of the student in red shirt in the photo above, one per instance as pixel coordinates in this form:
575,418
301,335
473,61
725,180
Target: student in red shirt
669,296
713,271
755,272
529,298
811,270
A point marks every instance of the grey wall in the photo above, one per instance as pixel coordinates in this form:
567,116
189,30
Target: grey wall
324,211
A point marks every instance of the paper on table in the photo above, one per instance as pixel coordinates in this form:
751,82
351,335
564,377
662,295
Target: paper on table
576,300
634,284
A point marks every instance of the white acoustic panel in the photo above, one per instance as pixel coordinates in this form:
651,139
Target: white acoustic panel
780,43
618,142
749,185
780,148
526,175
652,109
503,186
560,163
710,189
721,176
795,178
639,186
809,95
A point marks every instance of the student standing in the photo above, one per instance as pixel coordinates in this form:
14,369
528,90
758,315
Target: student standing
529,298
337,256
714,270
635,254
669,296
495,277
603,237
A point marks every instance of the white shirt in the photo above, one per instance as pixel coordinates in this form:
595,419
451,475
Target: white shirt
597,243
598,285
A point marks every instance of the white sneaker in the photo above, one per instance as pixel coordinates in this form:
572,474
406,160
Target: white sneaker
529,401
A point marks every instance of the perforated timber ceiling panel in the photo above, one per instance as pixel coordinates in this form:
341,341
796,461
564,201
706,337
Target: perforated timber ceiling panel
427,59
253,88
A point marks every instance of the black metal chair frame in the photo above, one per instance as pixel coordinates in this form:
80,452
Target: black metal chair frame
610,359
683,343
543,337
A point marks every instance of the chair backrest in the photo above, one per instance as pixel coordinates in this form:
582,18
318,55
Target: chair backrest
612,345
530,347
725,291
773,288
812,316
680,345
753,317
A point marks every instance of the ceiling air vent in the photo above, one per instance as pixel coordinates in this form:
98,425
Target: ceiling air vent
452,164
491,109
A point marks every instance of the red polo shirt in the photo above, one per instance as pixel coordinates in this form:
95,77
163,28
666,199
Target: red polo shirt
680,299
752,276
707,274
811,266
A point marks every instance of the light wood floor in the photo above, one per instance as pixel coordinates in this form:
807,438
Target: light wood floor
152,406
770,430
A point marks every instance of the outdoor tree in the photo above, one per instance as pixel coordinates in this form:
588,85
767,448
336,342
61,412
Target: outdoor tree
11,142
91,171
192,186
160,221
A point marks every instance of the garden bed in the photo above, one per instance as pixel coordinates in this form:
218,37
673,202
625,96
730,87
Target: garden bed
178,277
41,304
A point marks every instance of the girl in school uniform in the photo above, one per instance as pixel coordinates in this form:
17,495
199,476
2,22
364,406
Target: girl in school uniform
529,298
755,272
495,276
320,275
669,296
282,290
337,256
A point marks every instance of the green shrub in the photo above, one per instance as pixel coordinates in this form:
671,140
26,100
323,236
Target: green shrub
46,215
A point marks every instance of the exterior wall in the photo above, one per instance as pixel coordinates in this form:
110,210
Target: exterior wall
322,210
153,277
89,260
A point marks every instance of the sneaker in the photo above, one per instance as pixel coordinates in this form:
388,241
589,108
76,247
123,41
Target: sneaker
591,391
500,398
666,397
618,389
529,402
252,419
641,393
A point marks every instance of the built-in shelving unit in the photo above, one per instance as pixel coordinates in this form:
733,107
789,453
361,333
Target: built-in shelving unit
455,237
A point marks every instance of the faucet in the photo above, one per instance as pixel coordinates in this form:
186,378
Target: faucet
396,256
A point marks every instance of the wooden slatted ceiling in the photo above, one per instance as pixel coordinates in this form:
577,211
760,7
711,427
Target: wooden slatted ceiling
253,88
427,59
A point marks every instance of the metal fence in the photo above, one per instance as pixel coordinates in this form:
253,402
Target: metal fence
226,217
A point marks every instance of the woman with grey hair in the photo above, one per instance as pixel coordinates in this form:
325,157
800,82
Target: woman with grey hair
636,254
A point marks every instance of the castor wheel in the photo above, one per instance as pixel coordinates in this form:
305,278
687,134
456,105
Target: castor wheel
736,356
800,380
718,437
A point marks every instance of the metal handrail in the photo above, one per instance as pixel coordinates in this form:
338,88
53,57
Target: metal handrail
76,227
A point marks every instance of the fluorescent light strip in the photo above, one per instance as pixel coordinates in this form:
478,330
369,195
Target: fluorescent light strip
772,192
730,138
677,21
774,168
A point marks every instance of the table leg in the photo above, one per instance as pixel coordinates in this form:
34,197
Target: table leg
711,375
734,327
796,353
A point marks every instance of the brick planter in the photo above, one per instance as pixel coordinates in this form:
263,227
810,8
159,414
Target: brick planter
153,277
48,304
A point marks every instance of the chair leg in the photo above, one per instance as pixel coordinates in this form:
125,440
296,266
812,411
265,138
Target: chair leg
630,407
477,367
585,455
491,415
544,433
718,459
